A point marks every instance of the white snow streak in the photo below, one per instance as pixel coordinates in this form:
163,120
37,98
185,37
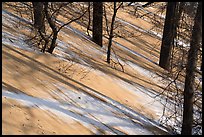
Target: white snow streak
86,110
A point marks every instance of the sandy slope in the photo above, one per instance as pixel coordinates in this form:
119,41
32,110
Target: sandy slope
21,120
36,75
29,76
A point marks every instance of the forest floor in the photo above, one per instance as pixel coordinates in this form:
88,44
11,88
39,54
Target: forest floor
74,90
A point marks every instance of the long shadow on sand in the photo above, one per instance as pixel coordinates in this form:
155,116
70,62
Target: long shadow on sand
80,87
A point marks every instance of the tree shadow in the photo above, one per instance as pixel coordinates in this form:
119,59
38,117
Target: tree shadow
77,85
38,102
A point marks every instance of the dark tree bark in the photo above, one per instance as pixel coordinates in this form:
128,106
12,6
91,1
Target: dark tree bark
179,11
111,32
98,22
147,4
50,41
130,3
89,21
39,17
190,72
53,27
168,36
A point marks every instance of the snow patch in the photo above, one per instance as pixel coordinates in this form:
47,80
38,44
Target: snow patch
9,39
86,110
153,76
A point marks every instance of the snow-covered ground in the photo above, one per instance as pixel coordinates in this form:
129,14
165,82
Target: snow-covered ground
91,109
16,40
87,110
111,117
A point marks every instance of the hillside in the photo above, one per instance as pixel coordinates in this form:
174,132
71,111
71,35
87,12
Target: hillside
74,90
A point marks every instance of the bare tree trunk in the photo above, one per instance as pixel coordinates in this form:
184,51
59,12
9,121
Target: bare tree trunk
89,21
147,4
53,27
179,11
39,17
190,73
109,49
111,34
130,3
98,23
168,36
53,43
111,31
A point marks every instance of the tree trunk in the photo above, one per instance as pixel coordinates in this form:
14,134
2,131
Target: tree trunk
190,73
179,11
53,43
147,4
98,23
89,21
53,27
39,17
109,50
168,36
111,34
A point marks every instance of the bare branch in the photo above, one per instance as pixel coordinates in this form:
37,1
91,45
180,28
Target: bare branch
72,21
